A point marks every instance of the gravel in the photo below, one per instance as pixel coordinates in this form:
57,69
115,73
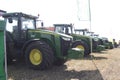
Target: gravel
97,66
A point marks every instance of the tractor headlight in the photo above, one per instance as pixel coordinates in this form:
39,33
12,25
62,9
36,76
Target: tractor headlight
66,38
96,39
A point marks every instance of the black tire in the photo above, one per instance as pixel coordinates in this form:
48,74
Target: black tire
44,51
84,45
59,62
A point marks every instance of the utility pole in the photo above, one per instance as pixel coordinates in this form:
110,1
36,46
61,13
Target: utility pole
90,21
88,10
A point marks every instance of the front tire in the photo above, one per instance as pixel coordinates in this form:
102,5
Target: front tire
82,45
39,55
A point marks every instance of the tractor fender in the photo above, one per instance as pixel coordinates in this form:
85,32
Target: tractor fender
86,41
34,40
76,41
27,43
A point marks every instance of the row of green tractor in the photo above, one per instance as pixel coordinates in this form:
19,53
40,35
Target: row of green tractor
101,40
88,41
38,48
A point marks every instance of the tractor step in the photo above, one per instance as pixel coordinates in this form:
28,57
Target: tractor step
99,48
75,53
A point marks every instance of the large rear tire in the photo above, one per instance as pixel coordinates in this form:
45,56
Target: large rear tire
39,55
82,45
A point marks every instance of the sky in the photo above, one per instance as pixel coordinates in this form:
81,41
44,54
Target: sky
105,14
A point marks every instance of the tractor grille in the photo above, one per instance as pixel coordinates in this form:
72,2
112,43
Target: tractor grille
65,45
95,43
101,42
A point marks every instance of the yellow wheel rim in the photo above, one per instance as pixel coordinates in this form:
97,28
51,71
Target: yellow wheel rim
35,56
80,47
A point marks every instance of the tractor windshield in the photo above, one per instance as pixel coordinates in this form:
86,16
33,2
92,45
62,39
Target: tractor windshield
27,23
80,32
63,29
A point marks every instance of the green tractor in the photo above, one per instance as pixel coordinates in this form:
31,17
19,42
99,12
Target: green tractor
40,49
115,44
96,46
98,42
104,41
80,41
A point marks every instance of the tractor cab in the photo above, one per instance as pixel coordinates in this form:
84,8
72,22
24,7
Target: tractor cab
64,28
17,26
81,31
90,33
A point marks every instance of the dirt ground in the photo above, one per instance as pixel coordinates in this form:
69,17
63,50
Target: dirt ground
97,66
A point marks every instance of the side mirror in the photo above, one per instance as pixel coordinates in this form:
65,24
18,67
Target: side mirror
10,20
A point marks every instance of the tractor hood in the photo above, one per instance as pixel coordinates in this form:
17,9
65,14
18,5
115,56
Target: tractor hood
76,37
55,33
47,32
95,38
